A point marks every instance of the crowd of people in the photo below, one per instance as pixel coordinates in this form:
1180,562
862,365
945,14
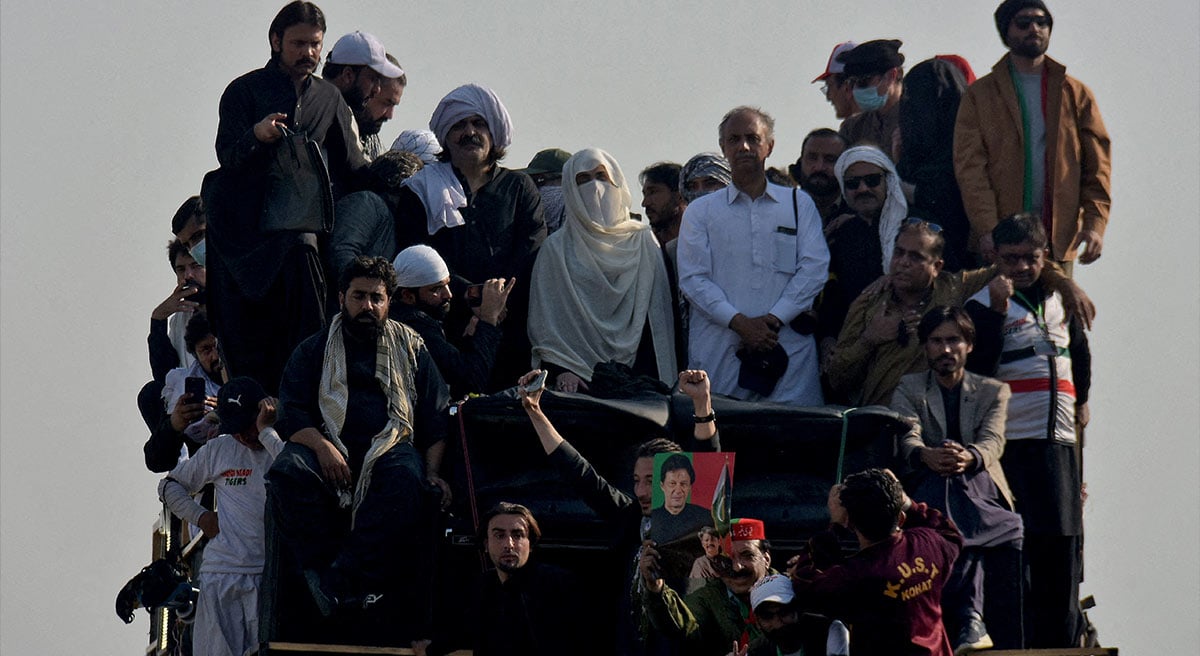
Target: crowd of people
334,298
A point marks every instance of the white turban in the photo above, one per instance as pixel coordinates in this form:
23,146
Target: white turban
470,100
895,207
419,266
422,143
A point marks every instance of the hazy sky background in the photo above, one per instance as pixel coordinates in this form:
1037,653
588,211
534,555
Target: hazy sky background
107,117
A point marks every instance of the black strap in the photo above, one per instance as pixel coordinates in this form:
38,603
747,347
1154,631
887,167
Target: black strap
795,211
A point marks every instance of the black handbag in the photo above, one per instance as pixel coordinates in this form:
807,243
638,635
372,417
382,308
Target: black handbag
299,197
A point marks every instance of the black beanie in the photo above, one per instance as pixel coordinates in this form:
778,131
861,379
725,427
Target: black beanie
1009,8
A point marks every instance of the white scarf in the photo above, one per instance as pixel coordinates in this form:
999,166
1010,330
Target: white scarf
441,193
595,286
895,207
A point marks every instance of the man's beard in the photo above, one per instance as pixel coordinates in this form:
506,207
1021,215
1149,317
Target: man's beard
438,311
820,184
1031,50
367,126
366,327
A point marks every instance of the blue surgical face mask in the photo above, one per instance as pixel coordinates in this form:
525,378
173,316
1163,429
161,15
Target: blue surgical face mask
869,98
197,252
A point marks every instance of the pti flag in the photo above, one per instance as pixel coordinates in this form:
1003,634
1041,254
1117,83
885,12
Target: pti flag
722,503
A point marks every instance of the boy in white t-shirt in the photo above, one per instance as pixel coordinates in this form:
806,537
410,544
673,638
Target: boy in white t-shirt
235,463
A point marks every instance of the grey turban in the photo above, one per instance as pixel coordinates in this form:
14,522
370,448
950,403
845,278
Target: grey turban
469,100
704,165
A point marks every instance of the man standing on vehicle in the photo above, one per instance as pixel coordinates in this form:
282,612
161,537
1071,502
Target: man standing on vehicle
268,287
1029,138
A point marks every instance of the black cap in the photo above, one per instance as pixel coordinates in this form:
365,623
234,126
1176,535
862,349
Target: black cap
760,370
872,57
1009,8
237,404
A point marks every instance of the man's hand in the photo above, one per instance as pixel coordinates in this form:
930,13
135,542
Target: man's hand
176,302
268,130
1094,244
495,299
209,524
419,647
837,512
949,459
987,248
333,465
442,485
648,567
266,413
187,412
569,382
1000,289
531,401
1083,415
694,383
1078,304
757,333
739,650
882,328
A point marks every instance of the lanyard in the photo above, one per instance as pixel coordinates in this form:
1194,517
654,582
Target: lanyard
1039,313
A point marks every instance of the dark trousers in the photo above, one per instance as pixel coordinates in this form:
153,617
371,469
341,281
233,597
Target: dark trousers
387,552
257,336
1053,566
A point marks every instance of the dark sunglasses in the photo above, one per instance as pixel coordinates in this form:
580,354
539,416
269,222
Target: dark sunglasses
1023,22
933,227
872,180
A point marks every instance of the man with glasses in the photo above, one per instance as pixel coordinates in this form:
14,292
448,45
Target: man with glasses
860,243
873,72
1029,138
878,343
834,86
1026,339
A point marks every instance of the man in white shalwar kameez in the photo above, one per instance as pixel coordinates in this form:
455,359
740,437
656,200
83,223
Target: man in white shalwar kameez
751,259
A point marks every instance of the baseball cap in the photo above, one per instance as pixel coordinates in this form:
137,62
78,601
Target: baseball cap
774,587
833,66
362,49
546,161
237,404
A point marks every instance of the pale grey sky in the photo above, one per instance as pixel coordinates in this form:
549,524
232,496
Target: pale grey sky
107,118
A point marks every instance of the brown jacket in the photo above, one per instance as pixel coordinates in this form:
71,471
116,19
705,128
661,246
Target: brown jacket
989,156
983,411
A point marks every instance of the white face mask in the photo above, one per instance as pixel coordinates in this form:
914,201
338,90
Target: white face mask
602,201
198,252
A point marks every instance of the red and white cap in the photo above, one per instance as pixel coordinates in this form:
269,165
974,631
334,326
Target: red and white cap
833,66
362,49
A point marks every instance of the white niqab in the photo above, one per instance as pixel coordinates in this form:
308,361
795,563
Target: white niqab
599,279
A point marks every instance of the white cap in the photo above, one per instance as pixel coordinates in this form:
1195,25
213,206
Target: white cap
362,49
775,587
833,66
418,266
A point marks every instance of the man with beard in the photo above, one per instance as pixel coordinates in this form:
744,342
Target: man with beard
953,449
878,345
1029,138
424,300
184,422
485,220
627,517
713,617
265,276
814,171
661,199
169,318
751,259
1026,340
361,69
349,494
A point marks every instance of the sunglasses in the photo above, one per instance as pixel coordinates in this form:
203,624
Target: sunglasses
933,227
1023,22
872,180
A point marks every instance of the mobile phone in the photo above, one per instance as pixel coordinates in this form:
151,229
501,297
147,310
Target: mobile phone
194,385
474,295
537,383
200,296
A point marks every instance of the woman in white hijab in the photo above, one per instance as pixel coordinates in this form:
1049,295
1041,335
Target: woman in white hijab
599,285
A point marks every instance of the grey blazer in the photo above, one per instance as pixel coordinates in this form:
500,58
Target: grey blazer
982,413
